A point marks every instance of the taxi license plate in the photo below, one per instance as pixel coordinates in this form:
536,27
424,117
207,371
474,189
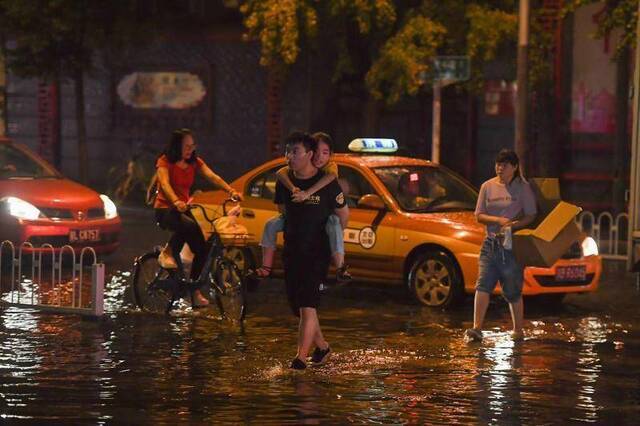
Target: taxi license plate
81,235
571,273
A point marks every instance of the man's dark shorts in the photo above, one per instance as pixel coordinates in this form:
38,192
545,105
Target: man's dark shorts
303,273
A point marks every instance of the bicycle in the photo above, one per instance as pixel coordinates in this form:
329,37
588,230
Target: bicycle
157,289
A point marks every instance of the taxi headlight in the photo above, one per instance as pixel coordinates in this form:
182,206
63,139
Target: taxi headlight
589,247
110,210
21,209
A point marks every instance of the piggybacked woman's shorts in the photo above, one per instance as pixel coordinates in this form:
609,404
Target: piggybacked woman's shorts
498,264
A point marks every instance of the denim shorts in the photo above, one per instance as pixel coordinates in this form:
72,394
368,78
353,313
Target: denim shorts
498,264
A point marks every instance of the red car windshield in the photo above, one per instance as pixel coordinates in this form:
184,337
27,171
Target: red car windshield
18,164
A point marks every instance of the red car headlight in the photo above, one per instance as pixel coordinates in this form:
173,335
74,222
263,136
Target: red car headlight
110,210
21,209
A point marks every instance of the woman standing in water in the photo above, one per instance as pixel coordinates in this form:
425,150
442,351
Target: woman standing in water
505,203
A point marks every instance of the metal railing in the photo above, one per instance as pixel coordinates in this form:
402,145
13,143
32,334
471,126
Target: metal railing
53,282
609,232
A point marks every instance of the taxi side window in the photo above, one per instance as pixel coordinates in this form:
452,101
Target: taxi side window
263,185
353,185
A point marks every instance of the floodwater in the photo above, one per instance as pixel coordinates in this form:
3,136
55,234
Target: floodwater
393,362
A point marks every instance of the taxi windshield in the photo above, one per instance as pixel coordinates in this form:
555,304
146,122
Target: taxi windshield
17,164
427,189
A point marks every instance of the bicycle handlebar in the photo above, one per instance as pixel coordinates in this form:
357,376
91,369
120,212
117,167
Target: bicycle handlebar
233,199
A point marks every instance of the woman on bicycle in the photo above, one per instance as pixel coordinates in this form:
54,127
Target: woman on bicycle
176,168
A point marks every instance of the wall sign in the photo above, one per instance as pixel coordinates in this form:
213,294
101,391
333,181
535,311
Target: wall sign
157,100
164,90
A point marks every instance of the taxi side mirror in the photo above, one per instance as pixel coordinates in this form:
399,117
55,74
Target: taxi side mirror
371,202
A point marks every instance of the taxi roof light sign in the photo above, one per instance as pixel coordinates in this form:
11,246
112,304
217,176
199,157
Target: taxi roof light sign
375,145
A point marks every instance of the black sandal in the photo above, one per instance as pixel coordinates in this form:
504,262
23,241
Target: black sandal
343,275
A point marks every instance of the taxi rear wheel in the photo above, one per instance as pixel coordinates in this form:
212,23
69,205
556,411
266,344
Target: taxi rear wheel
434,280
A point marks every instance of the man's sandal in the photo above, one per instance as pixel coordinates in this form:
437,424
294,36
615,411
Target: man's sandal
261,273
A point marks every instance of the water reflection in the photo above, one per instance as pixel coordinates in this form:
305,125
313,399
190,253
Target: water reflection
591,331
498,377
46,356
392,363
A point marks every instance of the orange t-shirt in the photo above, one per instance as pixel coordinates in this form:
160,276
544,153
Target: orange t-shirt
180,179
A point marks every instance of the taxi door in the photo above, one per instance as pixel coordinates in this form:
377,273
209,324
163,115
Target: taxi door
369,236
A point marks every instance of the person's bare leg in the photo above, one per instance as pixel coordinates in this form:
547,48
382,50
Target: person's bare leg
268,254
166,259
342,274
338,259
480,305
307,330
517,315
319,340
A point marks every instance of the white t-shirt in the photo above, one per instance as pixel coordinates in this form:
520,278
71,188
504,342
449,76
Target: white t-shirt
510,201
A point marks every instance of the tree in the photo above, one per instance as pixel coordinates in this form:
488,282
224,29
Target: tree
388,45
618,14
65,39
345,31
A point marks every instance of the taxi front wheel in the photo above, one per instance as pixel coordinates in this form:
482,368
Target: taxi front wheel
434,280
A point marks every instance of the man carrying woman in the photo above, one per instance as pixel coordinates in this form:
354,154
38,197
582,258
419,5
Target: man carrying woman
306,253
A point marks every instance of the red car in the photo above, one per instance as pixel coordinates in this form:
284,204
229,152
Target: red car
38,205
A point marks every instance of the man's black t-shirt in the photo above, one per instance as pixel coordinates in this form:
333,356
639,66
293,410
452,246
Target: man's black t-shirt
305,222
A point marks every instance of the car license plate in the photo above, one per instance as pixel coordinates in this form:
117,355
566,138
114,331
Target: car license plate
82,235
571,273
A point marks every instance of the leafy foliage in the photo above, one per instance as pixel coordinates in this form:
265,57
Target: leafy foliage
279,26
357,29
56,39
387,44
488,29
618,14
62,37
284,27
405,60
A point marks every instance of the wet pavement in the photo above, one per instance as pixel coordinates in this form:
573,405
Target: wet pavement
393,362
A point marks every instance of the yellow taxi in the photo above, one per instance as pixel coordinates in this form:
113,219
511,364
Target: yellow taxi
411,223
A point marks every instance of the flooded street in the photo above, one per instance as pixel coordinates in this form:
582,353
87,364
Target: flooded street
393,362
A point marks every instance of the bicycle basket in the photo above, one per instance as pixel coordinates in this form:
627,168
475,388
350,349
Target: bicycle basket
232,233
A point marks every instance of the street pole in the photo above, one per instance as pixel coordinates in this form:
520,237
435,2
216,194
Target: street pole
633,232
435,127
521,146
3,84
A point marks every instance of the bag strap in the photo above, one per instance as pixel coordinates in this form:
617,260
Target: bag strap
152,190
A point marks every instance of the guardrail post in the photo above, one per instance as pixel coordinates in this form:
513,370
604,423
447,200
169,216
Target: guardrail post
97,289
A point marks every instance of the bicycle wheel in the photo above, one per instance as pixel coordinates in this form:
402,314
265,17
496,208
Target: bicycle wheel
148,290
228,290
241,256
